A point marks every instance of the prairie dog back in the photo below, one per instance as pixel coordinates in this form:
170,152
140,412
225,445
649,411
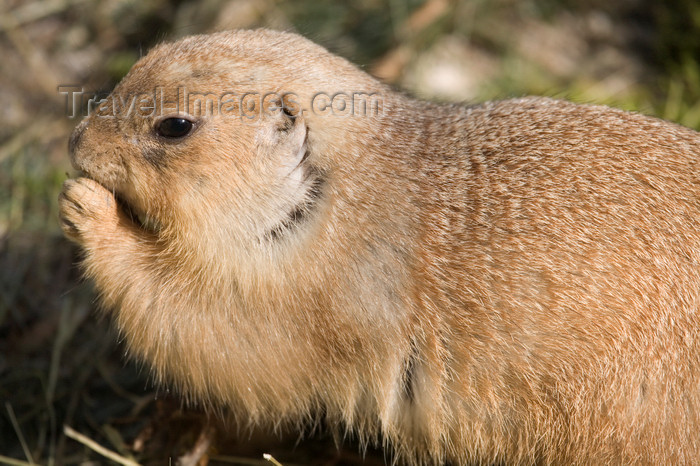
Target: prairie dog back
510,282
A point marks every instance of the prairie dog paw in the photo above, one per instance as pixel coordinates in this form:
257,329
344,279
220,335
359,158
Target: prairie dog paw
86,209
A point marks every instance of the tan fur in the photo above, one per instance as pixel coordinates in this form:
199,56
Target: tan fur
513,282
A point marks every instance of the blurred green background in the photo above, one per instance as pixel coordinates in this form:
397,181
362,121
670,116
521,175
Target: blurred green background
60,364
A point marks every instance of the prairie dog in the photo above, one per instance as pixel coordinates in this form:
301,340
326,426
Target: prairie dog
515,282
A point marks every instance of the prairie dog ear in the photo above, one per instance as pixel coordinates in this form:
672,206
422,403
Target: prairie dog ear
283,136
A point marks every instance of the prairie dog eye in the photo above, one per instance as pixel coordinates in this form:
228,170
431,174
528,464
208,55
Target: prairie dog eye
175,127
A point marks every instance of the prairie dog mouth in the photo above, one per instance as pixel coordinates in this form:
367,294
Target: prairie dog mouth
139,218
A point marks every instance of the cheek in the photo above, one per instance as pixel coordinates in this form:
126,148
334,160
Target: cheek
149,190
229,170
155,155
218,171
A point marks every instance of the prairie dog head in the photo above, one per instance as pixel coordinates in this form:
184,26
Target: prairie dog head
272,250
214,137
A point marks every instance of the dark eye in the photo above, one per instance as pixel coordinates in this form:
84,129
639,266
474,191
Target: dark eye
174,127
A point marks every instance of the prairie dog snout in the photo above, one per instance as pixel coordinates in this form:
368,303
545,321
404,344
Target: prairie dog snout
513,282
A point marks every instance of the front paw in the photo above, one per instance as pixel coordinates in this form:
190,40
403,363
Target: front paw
86,210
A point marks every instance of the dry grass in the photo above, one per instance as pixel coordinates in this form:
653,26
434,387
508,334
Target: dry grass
68,394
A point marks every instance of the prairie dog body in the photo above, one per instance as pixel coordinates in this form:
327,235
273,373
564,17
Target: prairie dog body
512,282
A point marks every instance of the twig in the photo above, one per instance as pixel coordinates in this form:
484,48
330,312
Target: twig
271,459
42,130
14,462
392,64
15,424
240,460
35,11
200,448
32,56
97,448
